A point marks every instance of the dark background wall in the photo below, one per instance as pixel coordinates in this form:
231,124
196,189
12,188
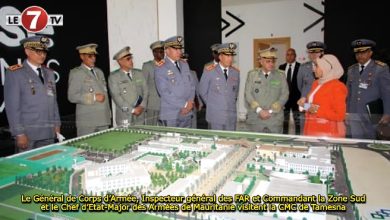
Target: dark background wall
202,28
346,21
82,24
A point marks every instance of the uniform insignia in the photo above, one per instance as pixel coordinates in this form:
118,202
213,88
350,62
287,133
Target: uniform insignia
254,104
15,67
170,72
160,63
380,63
211,66
276,107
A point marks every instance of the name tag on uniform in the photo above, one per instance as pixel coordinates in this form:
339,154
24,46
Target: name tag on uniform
363,85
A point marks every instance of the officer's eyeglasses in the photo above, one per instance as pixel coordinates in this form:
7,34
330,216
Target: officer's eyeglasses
39,52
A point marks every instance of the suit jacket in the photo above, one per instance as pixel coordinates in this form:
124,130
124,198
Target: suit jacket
175,88
220,95
82,87
329,119
31,106
294,94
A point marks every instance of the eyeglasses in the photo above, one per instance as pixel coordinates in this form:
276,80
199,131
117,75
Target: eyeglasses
270,61
39,52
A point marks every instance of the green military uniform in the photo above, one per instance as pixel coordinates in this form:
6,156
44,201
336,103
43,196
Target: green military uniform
269,93
84,83
91,116
124,90
153,99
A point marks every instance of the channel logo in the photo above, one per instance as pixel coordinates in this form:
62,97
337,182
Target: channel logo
34,19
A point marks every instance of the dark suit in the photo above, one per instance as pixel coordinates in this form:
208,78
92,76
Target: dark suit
293,98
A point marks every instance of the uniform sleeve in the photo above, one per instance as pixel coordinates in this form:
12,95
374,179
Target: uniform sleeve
145,91
203,86
385,88
248,92
337,109
348,85
75,90
57,119
12,99
300,79
163,88
278,105
115,94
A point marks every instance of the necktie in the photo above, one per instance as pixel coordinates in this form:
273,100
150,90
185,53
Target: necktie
225,73
289,75
40,75
266,75
93,72
177,65
130,76
361,70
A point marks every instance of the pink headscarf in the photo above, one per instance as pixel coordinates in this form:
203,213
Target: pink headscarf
331,68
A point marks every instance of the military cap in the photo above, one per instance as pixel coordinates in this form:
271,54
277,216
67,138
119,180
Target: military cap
361,45
122,53
315,47
157,44
175,42
227,48
35,42
268,53
87,49
214,47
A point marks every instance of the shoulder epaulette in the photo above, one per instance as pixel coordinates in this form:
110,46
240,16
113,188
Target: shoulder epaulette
185,61
380,63
160,63
47,67
352,65
235,68
15,67
210,67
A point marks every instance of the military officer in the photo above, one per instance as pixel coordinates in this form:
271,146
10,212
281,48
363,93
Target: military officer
153,100
87,88
218,87
175,85
30,98
127,87
305,76
214,51
266,92
367,81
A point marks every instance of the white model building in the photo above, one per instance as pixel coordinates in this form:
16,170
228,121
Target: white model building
212,159
156,149
114,176
279,187
181,187
300,165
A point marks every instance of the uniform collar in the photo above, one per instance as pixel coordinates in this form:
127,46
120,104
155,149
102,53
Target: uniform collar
33,66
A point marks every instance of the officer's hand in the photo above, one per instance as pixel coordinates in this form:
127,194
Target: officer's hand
22,141
313,109
190,105
57,129
264,114
100,97
385,119
138,110
184,111
301,101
